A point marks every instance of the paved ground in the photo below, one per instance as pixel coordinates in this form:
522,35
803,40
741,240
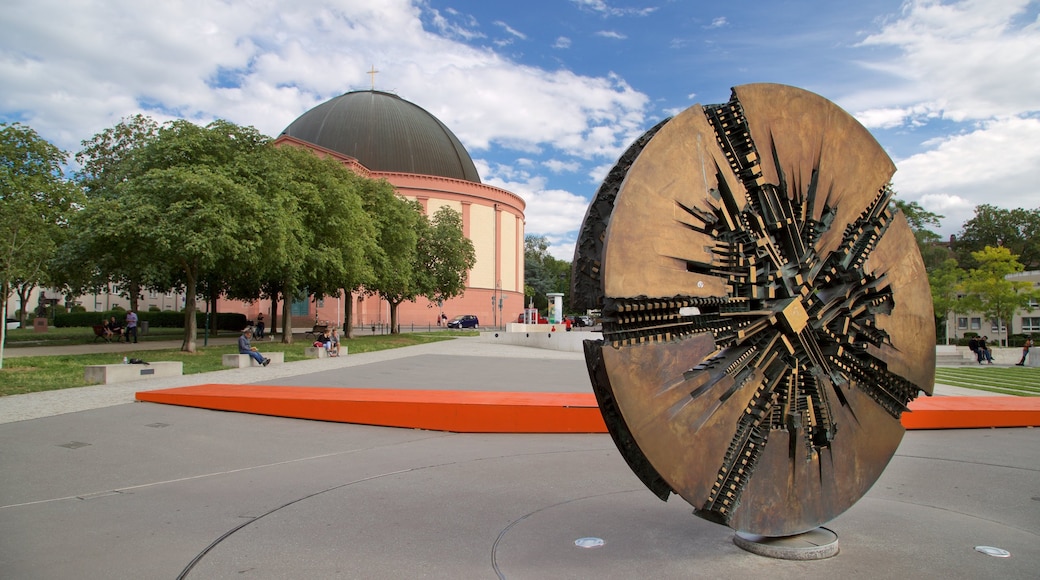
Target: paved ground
95,486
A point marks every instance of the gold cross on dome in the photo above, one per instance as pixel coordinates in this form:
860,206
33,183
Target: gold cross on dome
373,73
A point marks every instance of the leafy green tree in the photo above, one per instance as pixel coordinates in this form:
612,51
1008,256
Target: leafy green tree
35,204
1018,230
929,243
190,208
397,236
327,236
444,256
542,272
987,288
89,262
945,281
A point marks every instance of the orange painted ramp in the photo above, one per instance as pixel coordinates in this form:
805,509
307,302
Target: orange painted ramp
455,411
972,412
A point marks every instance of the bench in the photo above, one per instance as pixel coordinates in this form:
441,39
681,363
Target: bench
318,329
320,352
315,352
99,332
120,373
241,361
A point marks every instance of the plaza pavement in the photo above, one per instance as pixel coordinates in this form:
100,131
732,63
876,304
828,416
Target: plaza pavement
95,485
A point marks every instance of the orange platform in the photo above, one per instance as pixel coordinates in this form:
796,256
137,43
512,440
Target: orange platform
456,411
512,412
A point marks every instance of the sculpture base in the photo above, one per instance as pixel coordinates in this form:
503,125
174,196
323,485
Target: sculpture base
817,544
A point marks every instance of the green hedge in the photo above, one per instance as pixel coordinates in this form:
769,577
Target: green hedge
168,319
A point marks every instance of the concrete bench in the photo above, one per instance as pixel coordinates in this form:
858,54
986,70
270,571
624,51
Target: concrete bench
108,374
320,352
240,361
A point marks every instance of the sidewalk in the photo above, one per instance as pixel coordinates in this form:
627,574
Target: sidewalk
109,489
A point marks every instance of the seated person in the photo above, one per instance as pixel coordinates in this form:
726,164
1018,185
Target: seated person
114,328
245,348
333,345
323,340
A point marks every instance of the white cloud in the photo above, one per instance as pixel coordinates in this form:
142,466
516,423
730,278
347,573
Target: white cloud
976,58
76,69
557,166
964,81
607,10
718,22
997,164
511,30
611,34
562,42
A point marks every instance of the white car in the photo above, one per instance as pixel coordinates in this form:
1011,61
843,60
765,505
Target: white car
13,323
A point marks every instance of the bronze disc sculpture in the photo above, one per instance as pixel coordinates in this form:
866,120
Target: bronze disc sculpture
767,315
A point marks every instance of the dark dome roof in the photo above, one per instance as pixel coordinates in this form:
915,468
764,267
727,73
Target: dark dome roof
385,133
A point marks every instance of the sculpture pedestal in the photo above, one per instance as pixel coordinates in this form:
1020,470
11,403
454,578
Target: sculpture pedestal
817,544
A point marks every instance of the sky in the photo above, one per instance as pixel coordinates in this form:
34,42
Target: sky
546,94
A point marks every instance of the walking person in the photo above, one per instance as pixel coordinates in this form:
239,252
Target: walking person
1025,351
260,326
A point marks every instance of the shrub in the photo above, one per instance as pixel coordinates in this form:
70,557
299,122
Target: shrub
168,319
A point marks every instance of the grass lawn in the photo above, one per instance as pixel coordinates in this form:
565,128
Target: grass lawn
1021,381
47,373
83,335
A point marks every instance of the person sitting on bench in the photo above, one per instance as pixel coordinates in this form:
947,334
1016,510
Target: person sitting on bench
245,348
114,328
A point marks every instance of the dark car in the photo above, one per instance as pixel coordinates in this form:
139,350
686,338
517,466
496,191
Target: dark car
464,321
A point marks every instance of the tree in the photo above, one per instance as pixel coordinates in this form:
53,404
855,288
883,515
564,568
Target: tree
92,260
444,256
190,208
326,235
945,281
35,204
542,272
397,223
929,243
987,288
1018,230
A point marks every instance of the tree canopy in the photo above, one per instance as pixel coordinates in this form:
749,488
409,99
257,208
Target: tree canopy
36,201
1018,230
988,289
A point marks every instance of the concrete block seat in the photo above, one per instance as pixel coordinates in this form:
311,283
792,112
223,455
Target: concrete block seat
320,352
121,373
240,361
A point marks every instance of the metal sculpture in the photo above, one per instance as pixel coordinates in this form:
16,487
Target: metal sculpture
767,317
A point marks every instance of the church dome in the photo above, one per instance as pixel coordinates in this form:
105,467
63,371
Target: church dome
385,133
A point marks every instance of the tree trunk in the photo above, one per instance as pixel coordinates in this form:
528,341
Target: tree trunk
287,337
348,317
190,328
23,291
134,291
393,318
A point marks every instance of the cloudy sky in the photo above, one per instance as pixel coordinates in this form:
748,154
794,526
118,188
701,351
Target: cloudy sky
545,94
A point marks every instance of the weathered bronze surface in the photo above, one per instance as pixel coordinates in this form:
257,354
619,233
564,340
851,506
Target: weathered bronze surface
767,316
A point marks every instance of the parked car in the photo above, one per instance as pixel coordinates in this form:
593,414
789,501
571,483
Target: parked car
464,321
541,319
583,321
13,323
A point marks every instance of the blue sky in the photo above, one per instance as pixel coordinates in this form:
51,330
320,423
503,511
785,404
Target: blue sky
546,94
